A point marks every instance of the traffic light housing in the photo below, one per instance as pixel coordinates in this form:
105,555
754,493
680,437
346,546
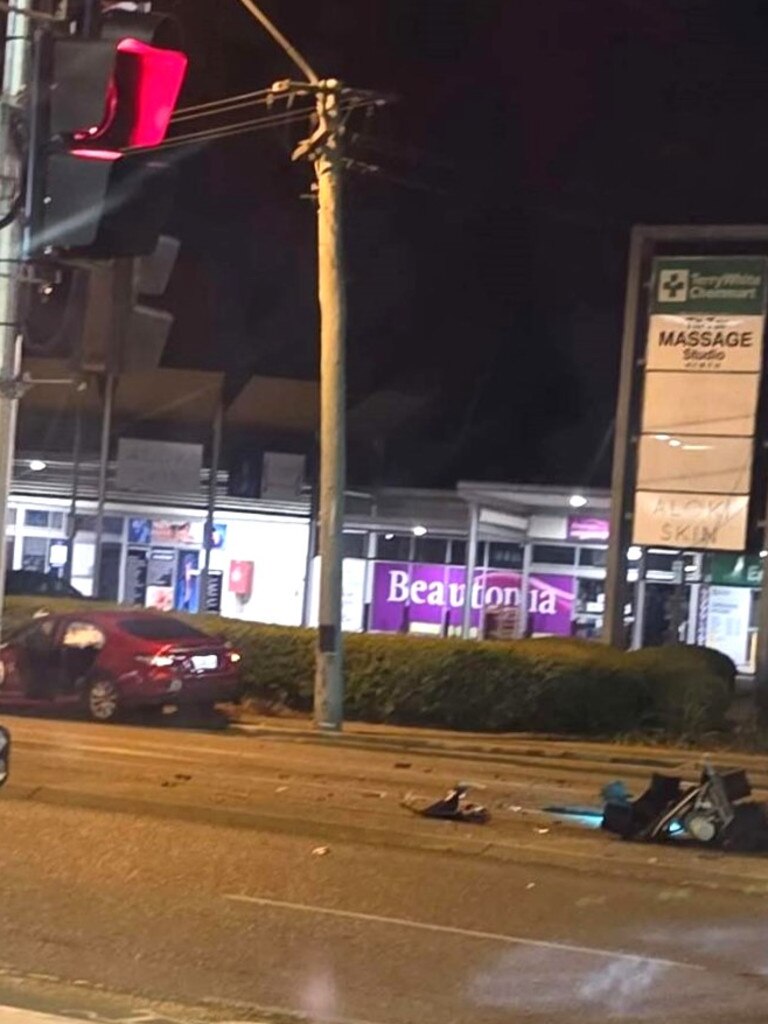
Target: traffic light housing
92,313
95,101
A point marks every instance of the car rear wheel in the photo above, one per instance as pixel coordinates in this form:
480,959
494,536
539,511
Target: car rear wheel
103,700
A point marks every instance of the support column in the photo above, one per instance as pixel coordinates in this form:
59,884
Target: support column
471,565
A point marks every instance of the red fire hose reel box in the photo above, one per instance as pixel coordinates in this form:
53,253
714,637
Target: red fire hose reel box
241,578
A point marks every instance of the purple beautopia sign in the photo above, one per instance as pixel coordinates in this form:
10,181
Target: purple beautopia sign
404,593
588,528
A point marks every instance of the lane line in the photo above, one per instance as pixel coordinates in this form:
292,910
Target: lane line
467,933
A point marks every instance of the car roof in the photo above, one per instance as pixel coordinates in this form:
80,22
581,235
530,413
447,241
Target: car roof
109,617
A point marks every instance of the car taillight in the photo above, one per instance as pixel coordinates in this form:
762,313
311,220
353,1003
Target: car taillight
156,660
234,657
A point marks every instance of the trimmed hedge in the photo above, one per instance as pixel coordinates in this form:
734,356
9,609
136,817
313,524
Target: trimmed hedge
558,685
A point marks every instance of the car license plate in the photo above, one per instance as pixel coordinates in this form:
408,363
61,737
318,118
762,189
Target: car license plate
204,662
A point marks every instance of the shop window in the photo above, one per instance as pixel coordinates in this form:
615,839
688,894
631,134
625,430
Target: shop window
505,556
355,545
393,547
10,517
593,557
56,520
87,524
34,554
660,561
430,549
36,517
459,553
554,554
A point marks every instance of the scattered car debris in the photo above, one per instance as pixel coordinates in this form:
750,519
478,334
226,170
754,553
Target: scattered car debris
541,831
714,811
453,807
403,764
321,851
531,885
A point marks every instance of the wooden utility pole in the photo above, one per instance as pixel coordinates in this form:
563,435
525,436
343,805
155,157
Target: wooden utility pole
329,681
323,149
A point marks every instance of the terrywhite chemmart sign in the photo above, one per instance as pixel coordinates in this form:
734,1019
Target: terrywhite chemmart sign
704,284
703,362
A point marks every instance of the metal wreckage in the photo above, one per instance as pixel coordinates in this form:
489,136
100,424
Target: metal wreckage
714,811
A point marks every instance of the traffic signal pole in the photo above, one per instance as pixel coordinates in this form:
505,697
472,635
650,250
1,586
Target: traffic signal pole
15,65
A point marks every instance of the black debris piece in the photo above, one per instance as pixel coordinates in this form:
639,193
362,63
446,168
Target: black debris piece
453,807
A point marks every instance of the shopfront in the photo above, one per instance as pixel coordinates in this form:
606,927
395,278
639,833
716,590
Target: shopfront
153,557
399,577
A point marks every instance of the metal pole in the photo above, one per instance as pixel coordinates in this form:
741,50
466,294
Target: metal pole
106,432
621,481
14,82
525,590
329,679
306,605
213,475
761,647
77,447
471,565
638,625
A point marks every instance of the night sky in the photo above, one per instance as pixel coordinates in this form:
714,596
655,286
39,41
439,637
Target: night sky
486,262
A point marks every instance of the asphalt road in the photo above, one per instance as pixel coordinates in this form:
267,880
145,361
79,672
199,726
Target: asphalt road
243,876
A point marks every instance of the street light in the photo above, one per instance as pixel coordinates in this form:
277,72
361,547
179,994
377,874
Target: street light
577,501
37,465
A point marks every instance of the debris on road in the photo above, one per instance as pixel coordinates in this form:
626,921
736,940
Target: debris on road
541,831
403,764
713,811
321,851
453,807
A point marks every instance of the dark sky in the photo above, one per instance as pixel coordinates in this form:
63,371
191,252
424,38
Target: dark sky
486,267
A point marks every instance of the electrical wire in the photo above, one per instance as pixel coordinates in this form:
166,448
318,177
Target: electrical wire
6,8
212,134
301,63
240,128
212,105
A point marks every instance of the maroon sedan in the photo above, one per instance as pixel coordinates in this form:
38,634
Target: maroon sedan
110,661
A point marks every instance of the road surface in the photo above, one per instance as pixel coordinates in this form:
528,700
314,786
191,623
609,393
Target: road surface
242,876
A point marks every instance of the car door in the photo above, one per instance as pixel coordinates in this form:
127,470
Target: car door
17,658
36,657
11,684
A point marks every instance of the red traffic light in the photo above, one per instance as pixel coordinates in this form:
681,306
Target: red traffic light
140,100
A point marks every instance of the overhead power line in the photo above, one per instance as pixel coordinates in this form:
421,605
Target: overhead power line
214,106
227,131
278,120
301,63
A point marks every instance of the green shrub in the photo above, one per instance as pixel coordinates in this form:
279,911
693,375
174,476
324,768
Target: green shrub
558,685
690,688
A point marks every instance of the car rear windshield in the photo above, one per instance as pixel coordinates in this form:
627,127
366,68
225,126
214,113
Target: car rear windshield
158,629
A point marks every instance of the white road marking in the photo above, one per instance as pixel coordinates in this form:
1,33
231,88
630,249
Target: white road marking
467,933
16,1015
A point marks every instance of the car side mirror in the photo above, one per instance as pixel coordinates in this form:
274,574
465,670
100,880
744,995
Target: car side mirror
5,754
